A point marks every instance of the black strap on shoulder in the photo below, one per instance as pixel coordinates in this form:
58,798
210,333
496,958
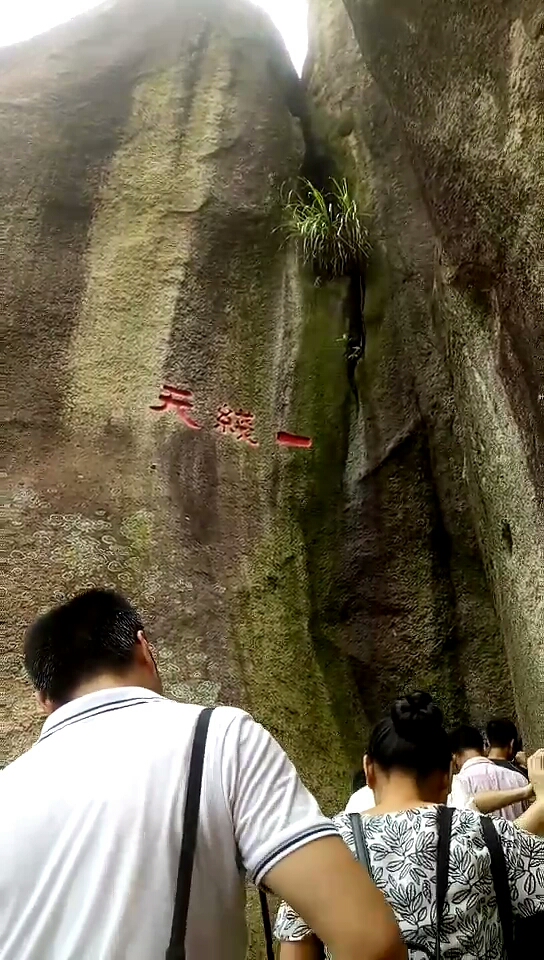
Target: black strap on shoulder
176,947
445,818
499,873
267,926
361,847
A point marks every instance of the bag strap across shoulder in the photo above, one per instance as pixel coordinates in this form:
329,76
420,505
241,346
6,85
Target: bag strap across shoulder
501,884
176,947
361,847
268,938
445,819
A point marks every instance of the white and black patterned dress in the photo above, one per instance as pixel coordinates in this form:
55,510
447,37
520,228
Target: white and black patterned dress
403,849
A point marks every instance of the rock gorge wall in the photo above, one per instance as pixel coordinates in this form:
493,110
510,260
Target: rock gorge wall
436,109
144,151
144,148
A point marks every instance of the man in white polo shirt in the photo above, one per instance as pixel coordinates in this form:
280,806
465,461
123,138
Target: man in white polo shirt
91,817
476,774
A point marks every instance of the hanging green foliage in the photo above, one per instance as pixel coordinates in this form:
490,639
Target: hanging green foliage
329,227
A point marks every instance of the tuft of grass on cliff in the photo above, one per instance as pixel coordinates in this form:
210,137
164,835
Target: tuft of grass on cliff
329,227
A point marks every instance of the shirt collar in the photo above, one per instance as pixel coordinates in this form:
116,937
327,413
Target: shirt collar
91,702
474,760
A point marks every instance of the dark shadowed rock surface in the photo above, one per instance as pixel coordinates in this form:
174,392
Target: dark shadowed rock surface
437,108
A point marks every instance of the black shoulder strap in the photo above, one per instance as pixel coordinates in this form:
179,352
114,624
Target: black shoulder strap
445,818
267,926
500,882
361,847
176,948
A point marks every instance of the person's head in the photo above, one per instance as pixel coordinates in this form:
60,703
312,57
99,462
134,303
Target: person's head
465,742
410,750
503,737
94,641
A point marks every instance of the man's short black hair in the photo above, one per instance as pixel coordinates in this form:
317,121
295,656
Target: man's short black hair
501,733
466,738
93,633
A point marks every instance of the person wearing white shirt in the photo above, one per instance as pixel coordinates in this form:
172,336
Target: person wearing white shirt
476,774
91,817
361,801
408,767
484,801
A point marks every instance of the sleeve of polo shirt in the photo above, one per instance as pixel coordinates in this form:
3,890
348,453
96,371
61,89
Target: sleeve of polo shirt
272,811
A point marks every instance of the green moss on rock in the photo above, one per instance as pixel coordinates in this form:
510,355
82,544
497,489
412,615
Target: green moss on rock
299,684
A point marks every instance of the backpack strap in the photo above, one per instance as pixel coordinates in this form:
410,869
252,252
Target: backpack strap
445,818
361,847
269,942
499,874
176,947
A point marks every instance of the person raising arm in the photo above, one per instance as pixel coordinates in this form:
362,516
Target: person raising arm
489,801
533,819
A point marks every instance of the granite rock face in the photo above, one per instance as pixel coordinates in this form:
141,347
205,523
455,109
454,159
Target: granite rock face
434,111
144,150
161,334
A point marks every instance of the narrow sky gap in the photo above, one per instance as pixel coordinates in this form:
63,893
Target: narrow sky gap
26,18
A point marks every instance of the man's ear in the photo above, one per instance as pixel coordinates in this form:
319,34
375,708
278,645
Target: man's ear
143,651
45,705
146,655
145,659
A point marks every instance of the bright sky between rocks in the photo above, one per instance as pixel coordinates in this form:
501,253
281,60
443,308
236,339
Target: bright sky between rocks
25,18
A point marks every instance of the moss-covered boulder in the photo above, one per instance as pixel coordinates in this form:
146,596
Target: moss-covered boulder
436,109
160,337
163,339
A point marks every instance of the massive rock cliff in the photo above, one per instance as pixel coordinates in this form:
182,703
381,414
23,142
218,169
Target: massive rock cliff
144,151
162,337
434,109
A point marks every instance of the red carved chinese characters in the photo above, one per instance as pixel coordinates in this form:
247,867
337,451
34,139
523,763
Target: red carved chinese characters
237,423
293,440
225,422
179,400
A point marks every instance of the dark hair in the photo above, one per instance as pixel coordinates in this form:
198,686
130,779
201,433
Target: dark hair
501,732
466,738
95,631
412,737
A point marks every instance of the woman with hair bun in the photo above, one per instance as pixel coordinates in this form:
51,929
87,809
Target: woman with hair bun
409,831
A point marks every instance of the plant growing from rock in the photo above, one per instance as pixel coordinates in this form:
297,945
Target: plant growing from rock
329,228
333,239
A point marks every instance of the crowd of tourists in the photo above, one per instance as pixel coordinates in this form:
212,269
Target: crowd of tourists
131,827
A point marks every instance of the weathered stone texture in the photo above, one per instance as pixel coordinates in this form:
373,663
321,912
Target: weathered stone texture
144,148
436,108
144,151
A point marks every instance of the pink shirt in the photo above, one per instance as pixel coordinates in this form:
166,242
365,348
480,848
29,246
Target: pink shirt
479,774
